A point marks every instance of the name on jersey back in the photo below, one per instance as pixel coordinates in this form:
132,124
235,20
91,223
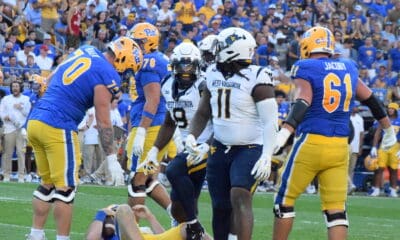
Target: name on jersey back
334,66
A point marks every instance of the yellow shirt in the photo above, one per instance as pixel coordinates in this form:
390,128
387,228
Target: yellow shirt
49,12
208,13
189,11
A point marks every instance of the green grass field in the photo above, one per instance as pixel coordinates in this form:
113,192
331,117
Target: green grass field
370,218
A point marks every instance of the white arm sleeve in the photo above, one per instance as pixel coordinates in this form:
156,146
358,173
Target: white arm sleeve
268,112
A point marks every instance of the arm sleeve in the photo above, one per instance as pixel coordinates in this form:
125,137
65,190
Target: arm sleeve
268,112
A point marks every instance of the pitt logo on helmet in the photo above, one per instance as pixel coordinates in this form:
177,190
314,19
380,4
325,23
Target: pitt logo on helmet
150,32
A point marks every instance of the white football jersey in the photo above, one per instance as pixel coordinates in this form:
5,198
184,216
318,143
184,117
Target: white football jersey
235,117
182,106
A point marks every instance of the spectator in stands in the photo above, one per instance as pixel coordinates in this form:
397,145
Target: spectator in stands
30,68
74,18
367,53
33,15
208,11
43,60
99,5
185,10
22,55
51,51
394,14
394,58
14,109
7,53
100,42
264,53
32,37
49,13
387,32
12,71
166,15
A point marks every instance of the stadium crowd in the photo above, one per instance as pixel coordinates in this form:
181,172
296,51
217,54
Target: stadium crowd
37,35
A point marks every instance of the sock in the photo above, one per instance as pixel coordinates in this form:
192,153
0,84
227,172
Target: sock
37,233
232,236
59,237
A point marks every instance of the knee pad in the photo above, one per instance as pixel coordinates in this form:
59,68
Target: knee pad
137,191
336,219
44,194
284,212
65,196
151,185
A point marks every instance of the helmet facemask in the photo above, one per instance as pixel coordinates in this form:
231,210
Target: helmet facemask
186,72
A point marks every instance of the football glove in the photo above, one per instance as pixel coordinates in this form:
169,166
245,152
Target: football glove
115,170
281,139
178,141
389,138
373,152
262,168
190,144
138,142
150,163
198,154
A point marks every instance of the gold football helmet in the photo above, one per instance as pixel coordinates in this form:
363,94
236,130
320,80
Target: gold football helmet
370,163
128,54
146,35
39,83
317,40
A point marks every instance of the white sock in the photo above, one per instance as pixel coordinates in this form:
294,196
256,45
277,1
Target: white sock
232,236
37,233
168,209
59,237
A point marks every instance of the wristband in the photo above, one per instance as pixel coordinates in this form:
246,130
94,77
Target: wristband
148,115
100,216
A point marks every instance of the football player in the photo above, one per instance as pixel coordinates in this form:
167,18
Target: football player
207,49
325,92
87,78
386,158
186,172
147,115
239,98
117,222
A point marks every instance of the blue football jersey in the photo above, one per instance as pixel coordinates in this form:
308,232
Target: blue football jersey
155,68
334,83
71,89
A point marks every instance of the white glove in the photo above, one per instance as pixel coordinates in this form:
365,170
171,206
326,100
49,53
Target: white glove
178,141
150,163
115,170
389,138
281,139
190,144
138,142
262,168
373,152
200,152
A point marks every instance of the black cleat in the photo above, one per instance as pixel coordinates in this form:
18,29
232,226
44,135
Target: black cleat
194,231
